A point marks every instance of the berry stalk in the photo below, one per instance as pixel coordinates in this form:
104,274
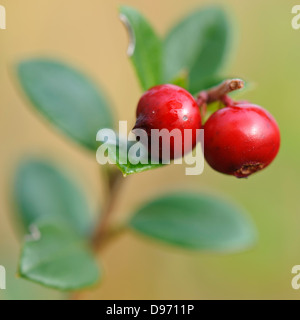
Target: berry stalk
218,93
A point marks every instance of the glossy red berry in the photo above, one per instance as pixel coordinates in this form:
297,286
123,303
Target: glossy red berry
241,139
169,107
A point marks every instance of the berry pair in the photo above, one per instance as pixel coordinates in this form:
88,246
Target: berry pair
240,139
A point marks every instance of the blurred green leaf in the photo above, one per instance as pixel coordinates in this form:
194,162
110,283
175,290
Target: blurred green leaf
197,45
67,98
53,256
145,47
21,289
41,190
196,222
181,80
213,82
118,153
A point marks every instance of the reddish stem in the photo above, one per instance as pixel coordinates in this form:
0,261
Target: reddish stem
218,93
101,231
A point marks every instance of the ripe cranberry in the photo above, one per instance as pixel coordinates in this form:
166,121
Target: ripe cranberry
169,107
241,139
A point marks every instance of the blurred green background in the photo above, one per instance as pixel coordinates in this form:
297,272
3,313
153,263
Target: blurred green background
90,35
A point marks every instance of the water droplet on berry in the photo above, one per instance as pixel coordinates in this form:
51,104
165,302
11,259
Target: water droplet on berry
185,118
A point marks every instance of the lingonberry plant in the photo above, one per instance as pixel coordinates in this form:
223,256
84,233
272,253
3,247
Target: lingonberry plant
179,75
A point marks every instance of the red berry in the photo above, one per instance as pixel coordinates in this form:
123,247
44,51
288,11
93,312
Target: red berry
169,107
241,139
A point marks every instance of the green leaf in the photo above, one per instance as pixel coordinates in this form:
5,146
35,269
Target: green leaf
144,48
54,257
195,222
117,149
42,191
197,45
181,80
67,98
209,83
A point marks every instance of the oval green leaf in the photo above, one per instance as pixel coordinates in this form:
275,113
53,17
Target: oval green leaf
67,98
197,45
144,48
195,222
54,257
43,191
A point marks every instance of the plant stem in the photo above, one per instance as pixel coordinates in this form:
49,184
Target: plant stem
109,235
102,232
219,93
